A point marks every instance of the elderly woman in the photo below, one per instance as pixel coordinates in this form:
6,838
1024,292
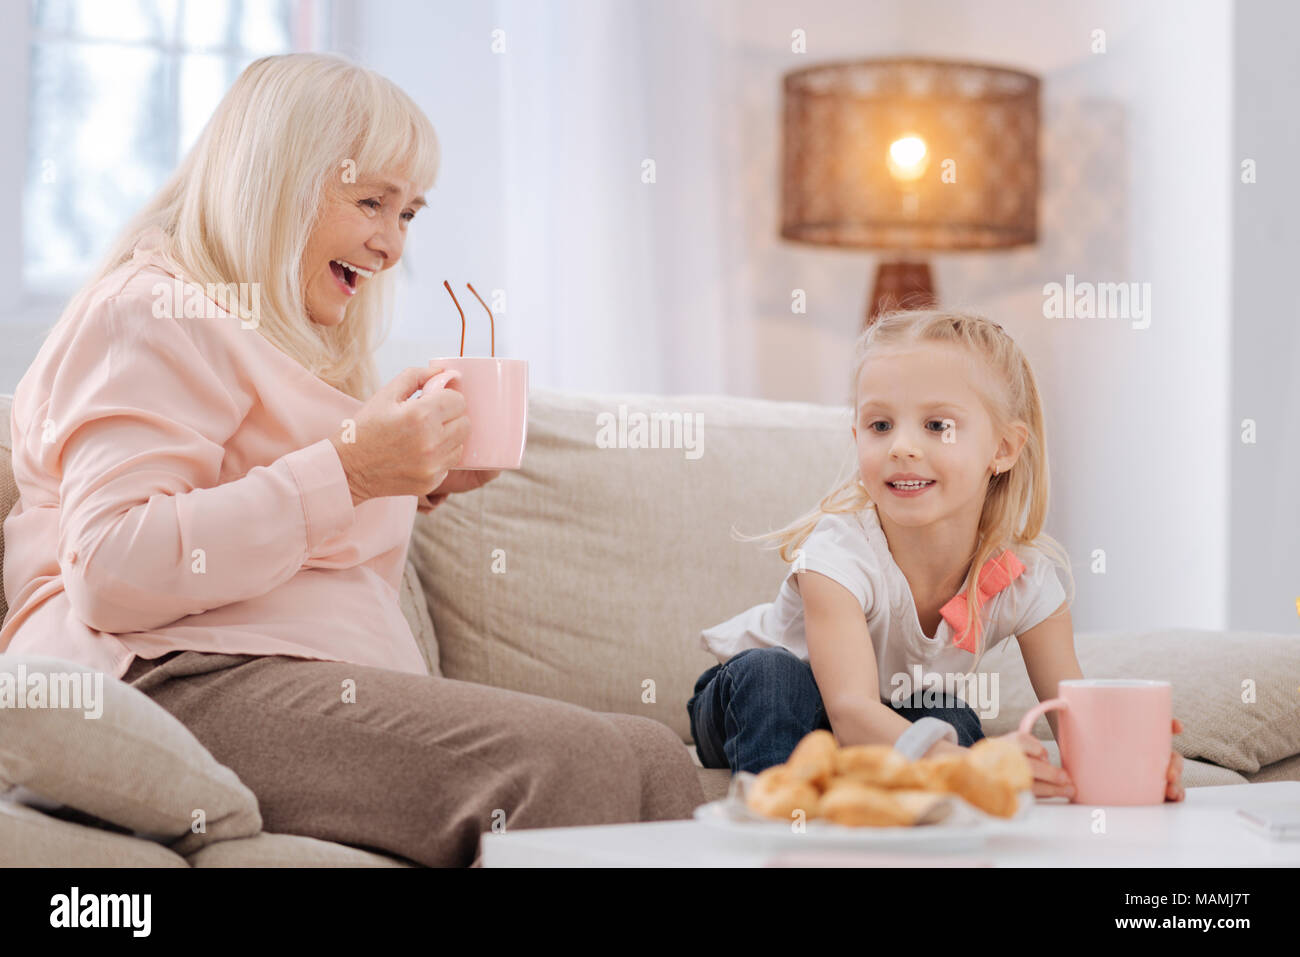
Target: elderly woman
216,501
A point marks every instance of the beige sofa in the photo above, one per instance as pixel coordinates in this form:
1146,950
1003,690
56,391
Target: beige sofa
587,576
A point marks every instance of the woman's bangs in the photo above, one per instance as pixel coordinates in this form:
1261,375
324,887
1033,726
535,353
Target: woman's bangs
399,140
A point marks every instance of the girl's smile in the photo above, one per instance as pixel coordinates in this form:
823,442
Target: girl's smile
909,489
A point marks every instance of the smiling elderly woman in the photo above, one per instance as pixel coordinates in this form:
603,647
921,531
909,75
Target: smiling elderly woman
192,521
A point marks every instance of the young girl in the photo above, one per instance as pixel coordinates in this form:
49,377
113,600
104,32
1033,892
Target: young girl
951,476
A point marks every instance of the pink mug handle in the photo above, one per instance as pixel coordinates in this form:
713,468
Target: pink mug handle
1027,722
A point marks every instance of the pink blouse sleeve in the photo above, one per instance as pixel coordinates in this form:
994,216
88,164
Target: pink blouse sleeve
136,427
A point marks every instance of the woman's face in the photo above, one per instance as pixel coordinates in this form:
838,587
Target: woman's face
362,224
918,416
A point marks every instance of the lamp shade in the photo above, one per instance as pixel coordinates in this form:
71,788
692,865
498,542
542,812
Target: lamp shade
909,153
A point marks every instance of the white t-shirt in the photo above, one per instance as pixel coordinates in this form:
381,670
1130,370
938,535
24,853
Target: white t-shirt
851,549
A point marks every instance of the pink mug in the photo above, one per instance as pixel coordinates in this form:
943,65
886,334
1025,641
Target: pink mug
1116,735
496,401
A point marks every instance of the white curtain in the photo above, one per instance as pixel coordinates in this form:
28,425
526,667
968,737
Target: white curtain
614,283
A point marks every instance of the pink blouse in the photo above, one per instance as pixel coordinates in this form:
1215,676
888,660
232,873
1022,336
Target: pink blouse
178,490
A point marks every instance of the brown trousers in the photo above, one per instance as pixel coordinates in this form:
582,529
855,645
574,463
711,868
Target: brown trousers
416,767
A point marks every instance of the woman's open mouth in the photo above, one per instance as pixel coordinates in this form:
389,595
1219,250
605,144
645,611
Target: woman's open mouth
909,489
345,278
345,274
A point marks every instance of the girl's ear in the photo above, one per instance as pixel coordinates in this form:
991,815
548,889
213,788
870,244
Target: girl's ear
1013,440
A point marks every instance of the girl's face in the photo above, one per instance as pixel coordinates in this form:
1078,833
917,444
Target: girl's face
362,224
919,418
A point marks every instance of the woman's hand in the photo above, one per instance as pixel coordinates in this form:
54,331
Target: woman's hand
460,480
1174,773
427,503
465,480
1049,780
404,446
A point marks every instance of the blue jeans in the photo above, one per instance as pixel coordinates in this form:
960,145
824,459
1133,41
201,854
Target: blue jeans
749,713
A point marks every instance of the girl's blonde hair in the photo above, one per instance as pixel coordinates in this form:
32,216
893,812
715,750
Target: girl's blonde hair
240,207
1015,506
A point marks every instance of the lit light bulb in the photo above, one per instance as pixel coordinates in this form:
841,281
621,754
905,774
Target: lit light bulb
908,157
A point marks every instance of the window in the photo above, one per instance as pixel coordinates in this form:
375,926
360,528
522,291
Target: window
118,91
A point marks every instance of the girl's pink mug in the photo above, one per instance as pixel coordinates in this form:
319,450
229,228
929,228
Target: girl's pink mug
496,401
1116,737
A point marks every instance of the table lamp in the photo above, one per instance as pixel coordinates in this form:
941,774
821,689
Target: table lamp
905,154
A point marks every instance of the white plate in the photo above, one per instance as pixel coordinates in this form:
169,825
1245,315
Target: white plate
953,824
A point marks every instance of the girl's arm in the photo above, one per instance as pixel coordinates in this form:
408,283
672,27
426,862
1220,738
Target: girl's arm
1048,650
843,661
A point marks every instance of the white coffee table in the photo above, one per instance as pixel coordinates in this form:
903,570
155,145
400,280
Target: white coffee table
1200,831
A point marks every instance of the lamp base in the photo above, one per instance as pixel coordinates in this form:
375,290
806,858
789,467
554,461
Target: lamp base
900,285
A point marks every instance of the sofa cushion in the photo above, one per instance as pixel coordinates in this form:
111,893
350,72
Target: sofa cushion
1285,770
1234,692
30,838
415,608
289,850
588,574
134,766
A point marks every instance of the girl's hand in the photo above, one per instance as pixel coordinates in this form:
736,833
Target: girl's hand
1174,773
1049,780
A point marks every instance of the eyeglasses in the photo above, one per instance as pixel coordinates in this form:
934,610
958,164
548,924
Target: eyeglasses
491,321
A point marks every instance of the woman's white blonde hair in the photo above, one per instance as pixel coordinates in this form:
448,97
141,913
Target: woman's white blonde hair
242,203
1015,505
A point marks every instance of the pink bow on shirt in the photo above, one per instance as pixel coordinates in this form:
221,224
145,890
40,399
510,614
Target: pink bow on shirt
996,575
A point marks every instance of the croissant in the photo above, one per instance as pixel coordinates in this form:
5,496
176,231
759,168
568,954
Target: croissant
859,805
873,764
875,786
776,792
991,775
813,759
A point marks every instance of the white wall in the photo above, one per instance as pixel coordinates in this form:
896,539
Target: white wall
1264,504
